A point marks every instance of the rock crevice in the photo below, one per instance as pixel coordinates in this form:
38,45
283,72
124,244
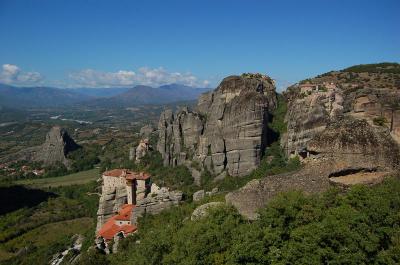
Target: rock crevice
227,131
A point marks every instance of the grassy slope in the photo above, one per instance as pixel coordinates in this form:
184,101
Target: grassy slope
72,179
47,228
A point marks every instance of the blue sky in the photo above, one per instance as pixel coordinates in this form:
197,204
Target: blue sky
123,43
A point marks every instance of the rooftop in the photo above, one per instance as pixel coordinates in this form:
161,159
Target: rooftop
110,228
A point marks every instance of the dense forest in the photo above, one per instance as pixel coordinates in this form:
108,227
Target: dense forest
361,226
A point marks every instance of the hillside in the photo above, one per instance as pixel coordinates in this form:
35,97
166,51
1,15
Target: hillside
37,97
45,97
382,75
140,95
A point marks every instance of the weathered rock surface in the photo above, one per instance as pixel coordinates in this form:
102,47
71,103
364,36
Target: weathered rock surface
146,131
112,199
56,147
339,94
202,210
198,195
142,149
156,202
345,147
110,202
227,131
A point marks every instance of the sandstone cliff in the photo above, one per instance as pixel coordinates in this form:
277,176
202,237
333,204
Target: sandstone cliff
228,129
56,147
348,149
314,103
345,125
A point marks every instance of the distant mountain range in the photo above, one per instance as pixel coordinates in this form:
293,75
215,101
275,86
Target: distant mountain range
44,97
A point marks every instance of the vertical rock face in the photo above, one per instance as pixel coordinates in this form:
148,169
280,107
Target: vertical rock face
57,145
309,112
227,131
348,149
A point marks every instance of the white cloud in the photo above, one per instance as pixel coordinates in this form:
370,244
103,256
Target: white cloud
144,76
13,75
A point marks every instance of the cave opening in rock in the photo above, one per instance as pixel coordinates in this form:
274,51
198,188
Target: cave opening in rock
351,171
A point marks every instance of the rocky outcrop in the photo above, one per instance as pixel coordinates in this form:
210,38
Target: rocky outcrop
111,200
56,147
157,201
332,97
202,210
198,195
142,149
146,131
70,255
345,148
228,129
344,125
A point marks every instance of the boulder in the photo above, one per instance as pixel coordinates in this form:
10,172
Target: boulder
202,210
198,195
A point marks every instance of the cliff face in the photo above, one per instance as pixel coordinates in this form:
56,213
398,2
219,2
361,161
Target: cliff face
57,145
315,103
347,151
345,126
227,131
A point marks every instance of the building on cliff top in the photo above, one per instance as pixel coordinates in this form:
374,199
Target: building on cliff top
137,185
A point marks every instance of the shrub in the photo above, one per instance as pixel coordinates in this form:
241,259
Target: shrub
380,121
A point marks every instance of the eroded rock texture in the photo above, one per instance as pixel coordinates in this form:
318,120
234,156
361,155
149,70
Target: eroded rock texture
227,131
56,147
111,200
345,127
333,97
345,148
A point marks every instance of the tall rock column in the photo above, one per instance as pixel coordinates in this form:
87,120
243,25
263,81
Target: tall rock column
227,132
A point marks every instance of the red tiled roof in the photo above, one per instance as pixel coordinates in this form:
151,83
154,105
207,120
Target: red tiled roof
130,175
125,212
110,228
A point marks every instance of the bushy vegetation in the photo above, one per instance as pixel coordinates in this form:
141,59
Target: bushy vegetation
177,177
358,227
375,68
380,121
47,227
274,162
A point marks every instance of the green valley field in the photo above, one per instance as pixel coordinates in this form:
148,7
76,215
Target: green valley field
71,179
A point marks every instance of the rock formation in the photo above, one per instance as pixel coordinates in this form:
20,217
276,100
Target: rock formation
146,131
56,147
157,201
345,127
111,200
344,149
227,131
115,196
142,149
202,210
337,94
